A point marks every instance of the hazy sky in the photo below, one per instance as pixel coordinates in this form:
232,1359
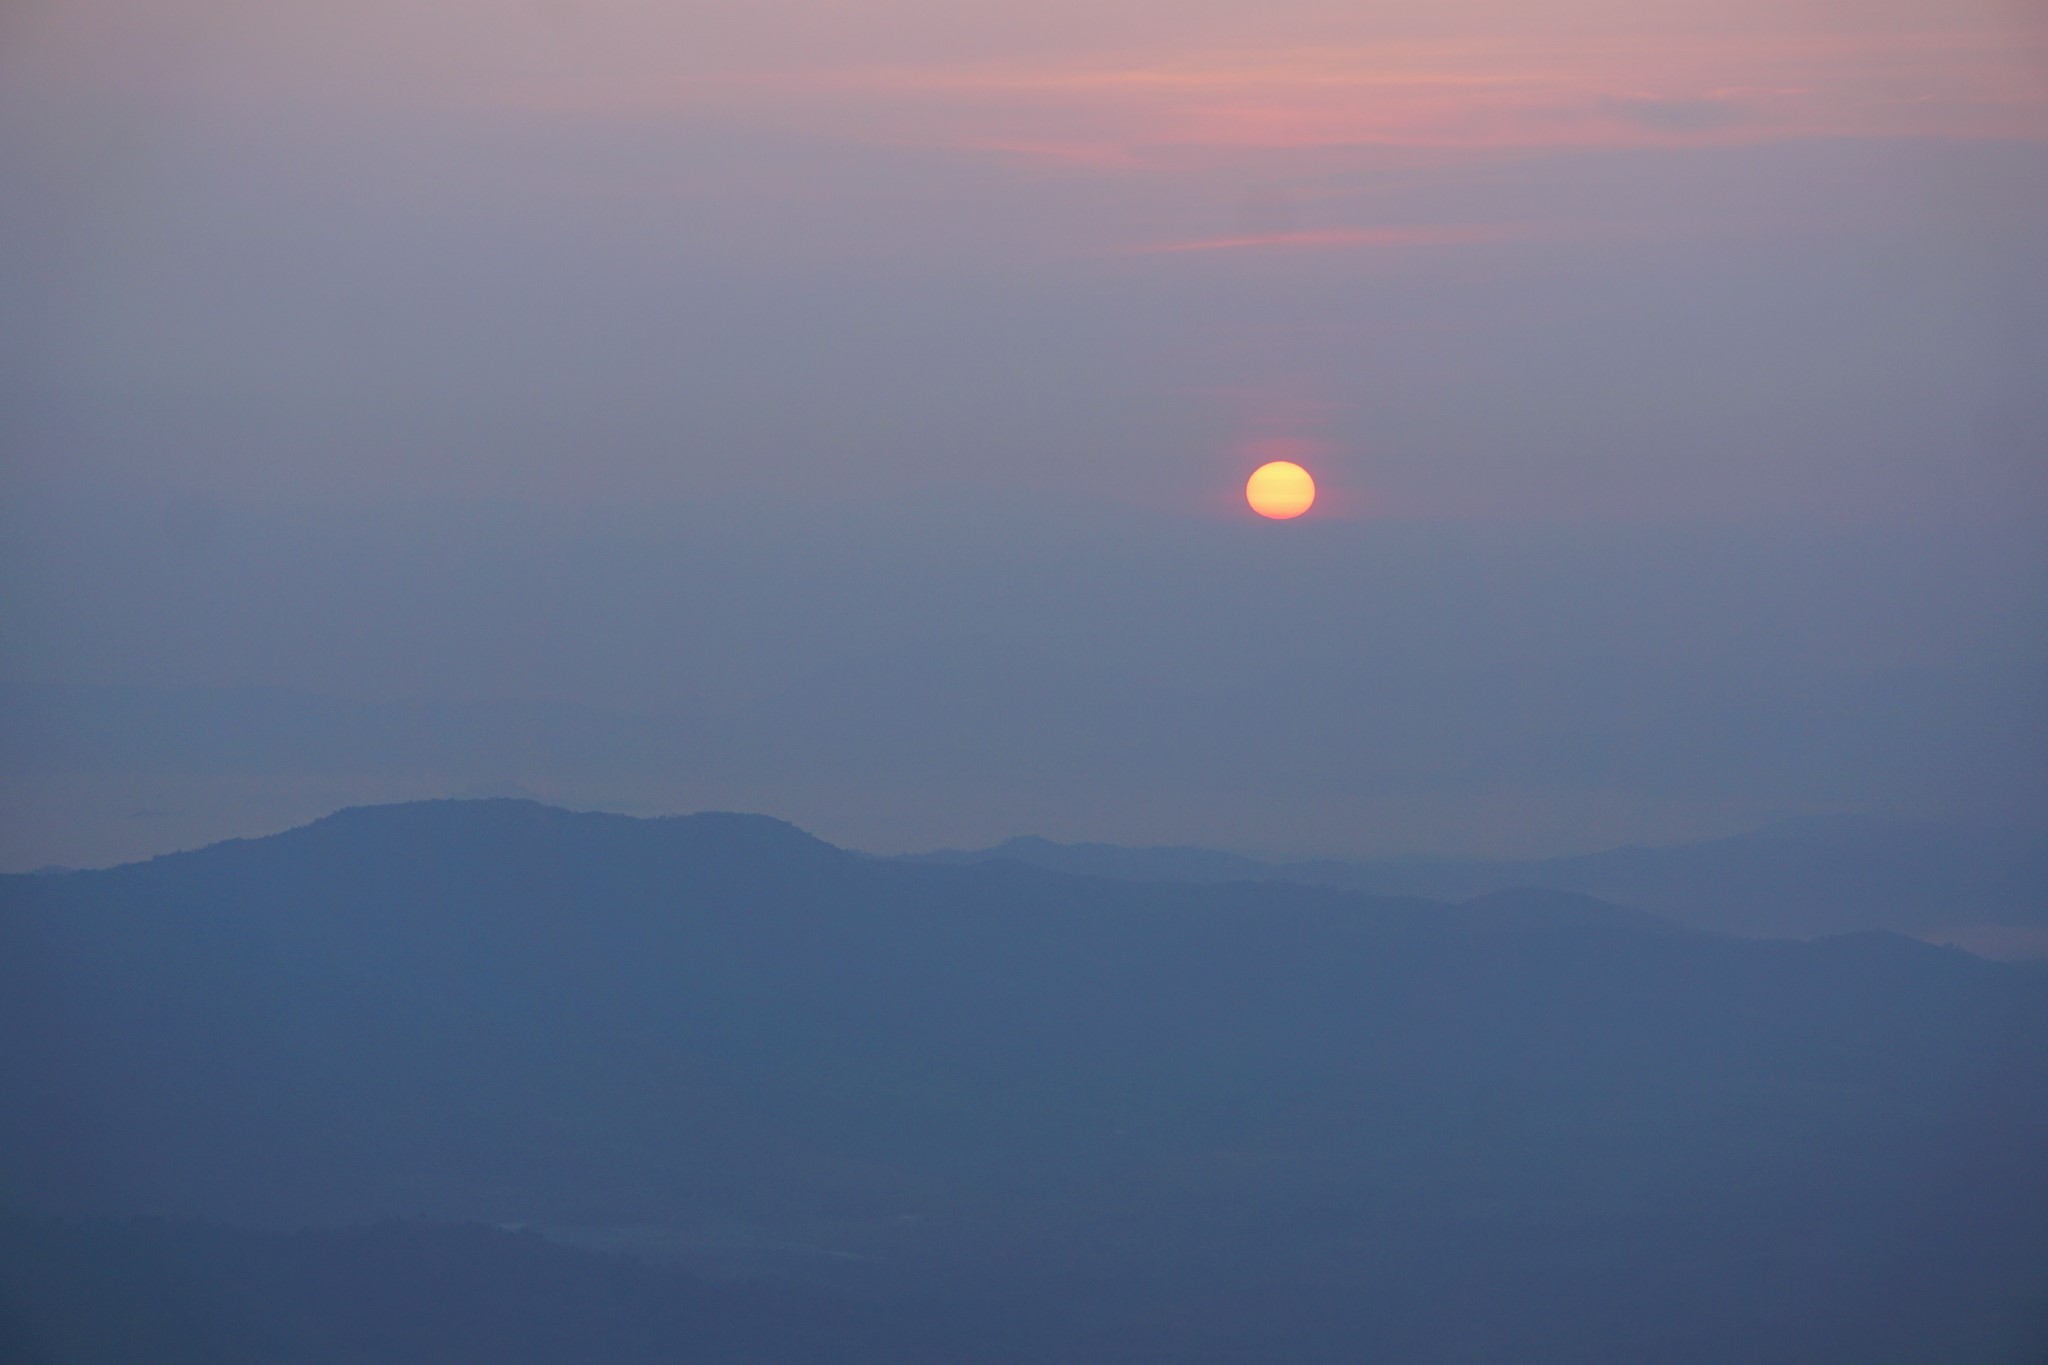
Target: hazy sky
839,410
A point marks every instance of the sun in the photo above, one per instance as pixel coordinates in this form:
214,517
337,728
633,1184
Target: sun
1280,490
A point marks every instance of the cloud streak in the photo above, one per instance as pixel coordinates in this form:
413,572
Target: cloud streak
1102,92
1339,238
1472,96
1164,107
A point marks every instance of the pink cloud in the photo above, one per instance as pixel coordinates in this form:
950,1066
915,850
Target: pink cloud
1447,95
1092,84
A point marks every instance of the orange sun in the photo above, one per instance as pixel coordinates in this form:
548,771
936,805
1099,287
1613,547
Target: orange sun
1280,490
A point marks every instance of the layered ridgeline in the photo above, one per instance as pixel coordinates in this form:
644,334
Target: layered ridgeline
1982,887
1236,1121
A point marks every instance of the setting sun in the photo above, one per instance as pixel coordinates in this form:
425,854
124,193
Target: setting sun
1280,490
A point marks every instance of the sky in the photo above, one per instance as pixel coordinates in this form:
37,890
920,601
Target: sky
840,410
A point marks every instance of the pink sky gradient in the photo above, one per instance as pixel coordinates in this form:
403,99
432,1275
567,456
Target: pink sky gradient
1134,74
573,164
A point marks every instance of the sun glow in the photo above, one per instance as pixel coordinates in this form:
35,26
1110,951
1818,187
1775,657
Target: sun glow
1281,489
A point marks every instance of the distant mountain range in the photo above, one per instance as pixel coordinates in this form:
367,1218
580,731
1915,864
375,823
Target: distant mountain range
1090,1119
1986,889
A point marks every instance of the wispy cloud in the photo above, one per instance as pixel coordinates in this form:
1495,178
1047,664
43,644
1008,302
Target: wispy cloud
1089,83
1339,238
1110,114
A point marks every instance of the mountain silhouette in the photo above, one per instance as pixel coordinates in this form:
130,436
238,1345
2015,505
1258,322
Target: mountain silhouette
1299,1114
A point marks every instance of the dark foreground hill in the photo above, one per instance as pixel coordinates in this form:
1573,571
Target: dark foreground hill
153,1292
1799,878
1150,1121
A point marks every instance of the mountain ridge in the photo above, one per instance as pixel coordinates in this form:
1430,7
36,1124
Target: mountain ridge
1798,878
1237,1107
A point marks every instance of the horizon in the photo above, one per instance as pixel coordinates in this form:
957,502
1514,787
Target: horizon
1845,821
1813,881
